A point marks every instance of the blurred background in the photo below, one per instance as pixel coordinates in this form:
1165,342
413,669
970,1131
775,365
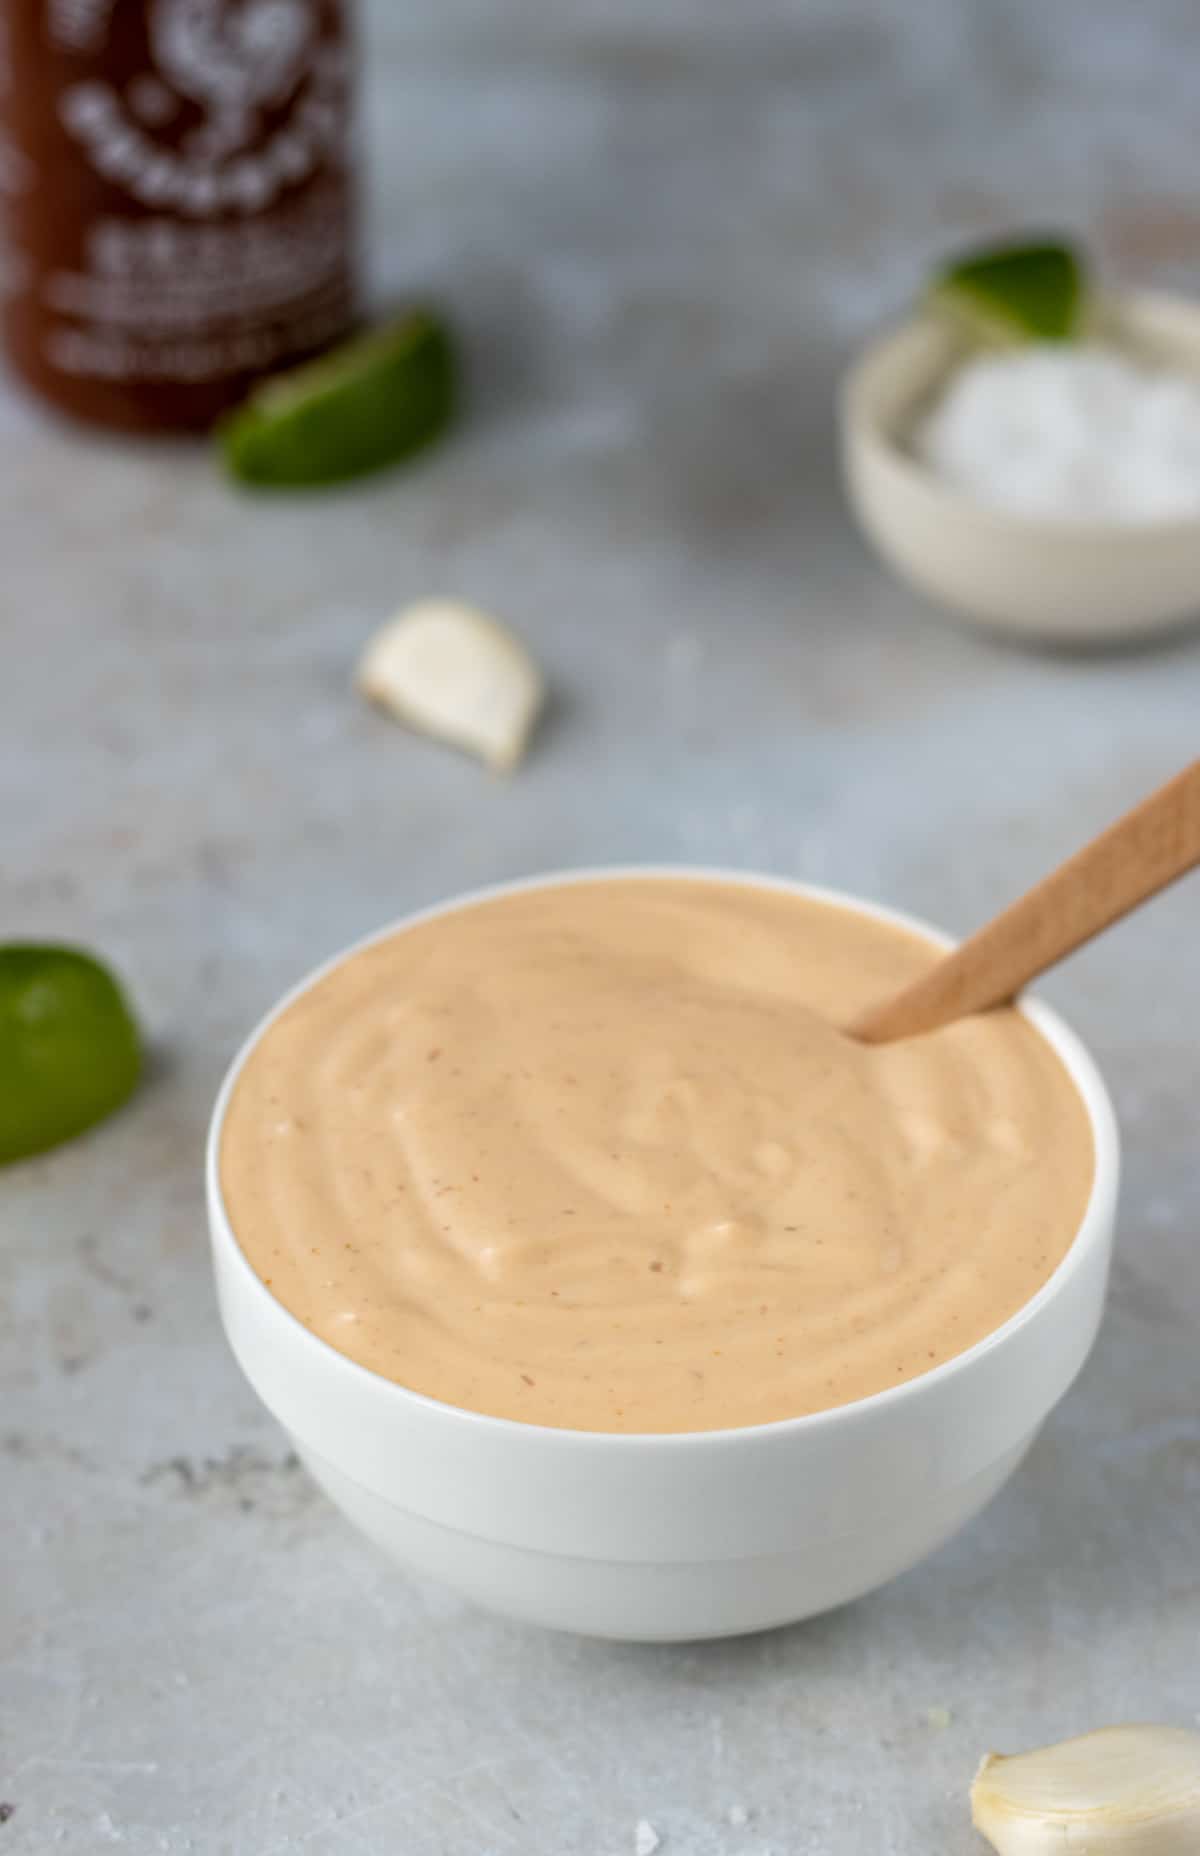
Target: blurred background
661,233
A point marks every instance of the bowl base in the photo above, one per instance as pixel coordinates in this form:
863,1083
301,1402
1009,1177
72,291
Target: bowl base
637,1601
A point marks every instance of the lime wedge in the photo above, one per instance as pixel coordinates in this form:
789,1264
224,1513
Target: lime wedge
1016,293
371,403
69,1048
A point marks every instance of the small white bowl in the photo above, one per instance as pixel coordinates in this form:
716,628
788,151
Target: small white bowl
1053,579
661,1537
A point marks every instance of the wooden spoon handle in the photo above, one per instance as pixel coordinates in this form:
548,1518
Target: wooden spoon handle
1131,861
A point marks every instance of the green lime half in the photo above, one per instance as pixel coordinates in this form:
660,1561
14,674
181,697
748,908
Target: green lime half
1015,293
371,403
69,1048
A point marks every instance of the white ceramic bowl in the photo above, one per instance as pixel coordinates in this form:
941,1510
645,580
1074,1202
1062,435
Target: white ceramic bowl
676,1536
1065,581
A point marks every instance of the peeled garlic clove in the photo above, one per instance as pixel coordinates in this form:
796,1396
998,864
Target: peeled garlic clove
457,674
1134,1789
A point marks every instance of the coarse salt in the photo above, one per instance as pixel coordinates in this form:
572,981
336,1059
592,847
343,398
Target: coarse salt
645,1839
1054,430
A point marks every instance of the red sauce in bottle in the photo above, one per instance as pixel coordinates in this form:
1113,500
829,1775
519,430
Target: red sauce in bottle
177,187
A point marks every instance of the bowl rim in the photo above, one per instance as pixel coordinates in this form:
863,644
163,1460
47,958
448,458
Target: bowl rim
862,426
1094,1226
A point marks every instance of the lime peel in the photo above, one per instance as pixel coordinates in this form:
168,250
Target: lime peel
365,406
1016,292
70,1051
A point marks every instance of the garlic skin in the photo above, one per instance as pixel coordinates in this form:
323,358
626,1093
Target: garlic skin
457,674
1128,1789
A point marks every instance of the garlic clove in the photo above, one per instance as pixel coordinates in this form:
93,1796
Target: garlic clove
1134,1789
457,674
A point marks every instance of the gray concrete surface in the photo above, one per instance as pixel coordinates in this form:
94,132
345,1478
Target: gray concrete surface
663,230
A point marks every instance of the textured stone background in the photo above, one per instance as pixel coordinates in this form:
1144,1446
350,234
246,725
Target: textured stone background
663,230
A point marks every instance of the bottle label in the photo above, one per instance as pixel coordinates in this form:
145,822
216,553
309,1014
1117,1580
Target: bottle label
196,153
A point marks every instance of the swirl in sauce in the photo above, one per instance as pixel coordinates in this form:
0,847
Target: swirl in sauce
593,1155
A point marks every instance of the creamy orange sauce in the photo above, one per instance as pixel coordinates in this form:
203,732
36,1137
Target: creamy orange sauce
595,1155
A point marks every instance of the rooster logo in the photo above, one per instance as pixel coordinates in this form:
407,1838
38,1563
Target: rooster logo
231,59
